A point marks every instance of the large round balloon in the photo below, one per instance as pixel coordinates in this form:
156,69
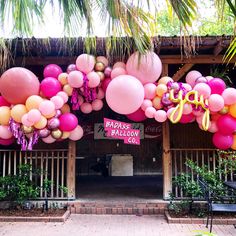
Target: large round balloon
17,84
68,122
147,68
125,94
222,141
137,116
226,124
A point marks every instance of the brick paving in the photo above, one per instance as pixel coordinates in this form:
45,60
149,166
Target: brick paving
110,225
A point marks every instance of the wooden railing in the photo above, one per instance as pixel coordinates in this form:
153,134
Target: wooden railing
202,157
51,163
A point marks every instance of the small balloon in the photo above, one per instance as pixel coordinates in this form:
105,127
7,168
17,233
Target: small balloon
99,66
71,67
53,123
56,133
27,130
43,133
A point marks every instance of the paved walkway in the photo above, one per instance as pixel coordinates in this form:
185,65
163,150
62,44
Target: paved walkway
109,225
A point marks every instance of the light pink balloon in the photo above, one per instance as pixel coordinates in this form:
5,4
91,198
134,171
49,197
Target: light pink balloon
169,112
46,107
5,133
187,109
150,112
209,78
75,79
147,68
146,103
49,139
150,90
192,76
34,116
216,102
58,101
76,134
100,94
160,116
203,89
118,71
63,95
213,127
199,119
85,63
125,94
188,87
86,108
119,64
229,96
80,100
94,79
97,104
25,121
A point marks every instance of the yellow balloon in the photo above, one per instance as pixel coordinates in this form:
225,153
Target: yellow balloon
41,124
33,102
65,109
65,135
234,143
68,89
156,102
63,78
161,89
17,112
5,115
165,80
232,110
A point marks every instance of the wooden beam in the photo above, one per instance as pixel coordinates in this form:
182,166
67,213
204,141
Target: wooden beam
71,169
218,48
182,71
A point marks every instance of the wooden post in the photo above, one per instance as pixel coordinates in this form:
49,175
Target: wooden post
71,169
166,156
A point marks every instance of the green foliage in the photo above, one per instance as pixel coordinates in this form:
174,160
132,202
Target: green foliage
203,233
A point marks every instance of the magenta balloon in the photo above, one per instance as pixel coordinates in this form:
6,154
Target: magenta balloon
217,86
125,94
226,124
3,102
146,68
50,87
7,142
68,122
105,83
187,118
222,141
137,116
17,84
52,70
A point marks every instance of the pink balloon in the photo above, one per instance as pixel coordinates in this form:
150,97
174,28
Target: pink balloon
58,101
52,70
137,116
187,118
107,72
119,64
7,142
105,83
169,112
150,90
222,141
150,112
216,102
86,108
201,80
160,116
203,89
75,79
50,87
80,100
187,109
85,63
71,67
100,94
34,116
213,127
94,79
192,76
3,102
226,124
147,68
76,134
125,94
217,86
46,107
199,119
146,103
68,122
97,105
5,133
229,96
187,86
117,71
49,139
17,84
25,121
63,95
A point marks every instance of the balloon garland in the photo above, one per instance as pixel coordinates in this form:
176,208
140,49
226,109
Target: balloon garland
30,110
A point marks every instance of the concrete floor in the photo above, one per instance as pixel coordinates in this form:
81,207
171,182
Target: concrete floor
110,225
139,188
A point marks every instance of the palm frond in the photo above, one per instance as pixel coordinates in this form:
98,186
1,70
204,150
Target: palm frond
231,51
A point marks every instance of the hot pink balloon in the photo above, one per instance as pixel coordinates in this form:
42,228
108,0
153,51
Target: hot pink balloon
192,76
217,86
34,115
68,122
118,71
58,101
52,70
105,83
107,72
77,133
17,84
146,103
187,109
3,102
150,112
46,107
63,95
7,142
203,89
125,94
75,79
226,124
5,133
85,63
160,116
50,87
222,141
187,118
229,96
49,139
137,116
216,102
147,68
150,90
86,108
97,104
94,79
